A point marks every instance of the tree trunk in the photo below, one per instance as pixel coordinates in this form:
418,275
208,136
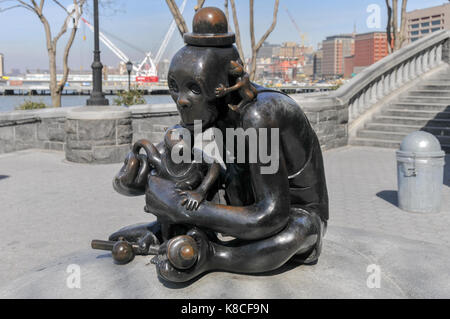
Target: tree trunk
395,36
237,32
389,26
54,92
401,33
395,22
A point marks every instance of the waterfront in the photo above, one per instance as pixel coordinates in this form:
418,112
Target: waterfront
9,103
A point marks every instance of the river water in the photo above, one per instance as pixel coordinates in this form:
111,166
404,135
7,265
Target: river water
10,102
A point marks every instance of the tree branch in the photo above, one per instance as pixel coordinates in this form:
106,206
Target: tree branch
272,26
60,5
79,10
227,14
199,5
252,24
256,47
12,7
181,24
237,31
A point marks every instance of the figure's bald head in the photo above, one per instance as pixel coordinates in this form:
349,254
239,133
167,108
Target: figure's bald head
194,74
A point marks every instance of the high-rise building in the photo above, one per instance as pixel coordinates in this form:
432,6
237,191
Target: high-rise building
422,22
2,65
268,50
335,49
317,64
291,50
370,48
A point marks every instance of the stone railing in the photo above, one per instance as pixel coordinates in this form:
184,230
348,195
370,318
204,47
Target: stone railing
394,71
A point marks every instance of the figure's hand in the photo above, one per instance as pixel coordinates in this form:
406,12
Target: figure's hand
221,90
192,199
132,177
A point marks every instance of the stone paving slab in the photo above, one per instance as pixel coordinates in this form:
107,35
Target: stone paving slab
51,209
362,186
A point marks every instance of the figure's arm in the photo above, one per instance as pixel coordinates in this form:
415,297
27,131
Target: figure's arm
194,198
239,84
267,216
210,178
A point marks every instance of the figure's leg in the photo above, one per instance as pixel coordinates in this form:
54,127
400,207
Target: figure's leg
151,232
301,236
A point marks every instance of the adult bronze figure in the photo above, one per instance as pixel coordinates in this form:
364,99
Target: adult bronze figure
272,217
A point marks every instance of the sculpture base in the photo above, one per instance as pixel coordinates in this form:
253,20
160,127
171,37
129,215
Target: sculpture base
98,134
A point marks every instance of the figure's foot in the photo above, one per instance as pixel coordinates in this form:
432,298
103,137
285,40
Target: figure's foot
312,257
199,256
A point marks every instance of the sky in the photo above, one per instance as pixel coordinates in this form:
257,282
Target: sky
138,26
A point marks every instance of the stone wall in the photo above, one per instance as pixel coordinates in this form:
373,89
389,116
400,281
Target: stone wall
98,134
150,121
328,117
45,129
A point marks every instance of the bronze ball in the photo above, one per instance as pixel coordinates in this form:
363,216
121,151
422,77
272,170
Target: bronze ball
122,252
210,20
182,252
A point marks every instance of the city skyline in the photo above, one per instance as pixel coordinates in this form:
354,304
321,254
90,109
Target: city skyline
24,48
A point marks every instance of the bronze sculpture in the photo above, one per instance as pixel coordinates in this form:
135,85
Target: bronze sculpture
272,217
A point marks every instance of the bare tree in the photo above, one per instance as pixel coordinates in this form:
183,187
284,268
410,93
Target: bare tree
237,31
182,27
181,24
257,46
56,87
395,35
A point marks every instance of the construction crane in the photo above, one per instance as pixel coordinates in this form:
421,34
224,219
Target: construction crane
302,35
146,71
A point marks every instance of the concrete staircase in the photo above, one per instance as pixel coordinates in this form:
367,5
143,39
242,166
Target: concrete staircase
425,107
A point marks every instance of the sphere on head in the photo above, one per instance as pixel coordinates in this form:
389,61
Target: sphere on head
210,20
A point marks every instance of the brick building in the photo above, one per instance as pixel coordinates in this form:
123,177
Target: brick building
335,49
369,48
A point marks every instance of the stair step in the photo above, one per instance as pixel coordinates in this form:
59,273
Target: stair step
411,121
418,107
416,113
425,99
429,93
420,103
438,131
359,141
393,136
381,135
373,142
434,86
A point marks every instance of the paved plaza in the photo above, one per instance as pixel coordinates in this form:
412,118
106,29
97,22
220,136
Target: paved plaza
51,209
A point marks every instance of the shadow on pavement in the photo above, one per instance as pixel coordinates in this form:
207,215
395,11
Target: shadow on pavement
3,177
389,196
